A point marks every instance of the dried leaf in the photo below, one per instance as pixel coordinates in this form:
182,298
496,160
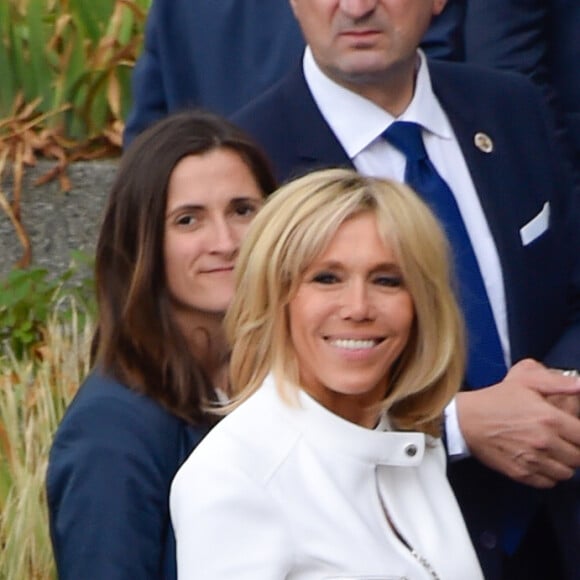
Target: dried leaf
20,232
65,184
48,176
61,23
115,136
114,94
18,171
28,156
28,110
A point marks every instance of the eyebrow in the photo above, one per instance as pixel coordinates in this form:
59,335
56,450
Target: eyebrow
198,207
336,264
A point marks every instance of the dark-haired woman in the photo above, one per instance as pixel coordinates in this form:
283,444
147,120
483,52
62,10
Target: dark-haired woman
184,196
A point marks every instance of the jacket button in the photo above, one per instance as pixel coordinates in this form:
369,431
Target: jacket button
411,450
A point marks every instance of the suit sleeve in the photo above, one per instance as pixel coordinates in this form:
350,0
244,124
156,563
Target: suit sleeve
108,487
565,354
509,35
226,525
150,102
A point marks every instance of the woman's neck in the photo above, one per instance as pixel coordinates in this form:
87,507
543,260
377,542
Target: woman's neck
205,335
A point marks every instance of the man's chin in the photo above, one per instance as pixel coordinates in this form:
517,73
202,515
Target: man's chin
359,69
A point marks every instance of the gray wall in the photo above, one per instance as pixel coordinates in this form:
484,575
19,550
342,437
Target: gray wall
57,222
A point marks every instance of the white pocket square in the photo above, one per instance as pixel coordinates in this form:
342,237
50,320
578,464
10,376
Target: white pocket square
536,226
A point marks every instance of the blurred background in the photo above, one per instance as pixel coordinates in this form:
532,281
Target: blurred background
65,68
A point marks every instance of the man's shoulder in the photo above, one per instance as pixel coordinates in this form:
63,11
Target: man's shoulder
290,128
477,80
280,120
269,105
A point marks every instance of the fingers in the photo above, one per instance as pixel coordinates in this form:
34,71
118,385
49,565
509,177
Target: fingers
567,427
568,403
544,380
540,470
512,428
557,461
548,457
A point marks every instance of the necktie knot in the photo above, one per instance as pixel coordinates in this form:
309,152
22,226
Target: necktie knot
407,138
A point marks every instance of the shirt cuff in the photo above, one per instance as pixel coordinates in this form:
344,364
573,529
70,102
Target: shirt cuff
456,446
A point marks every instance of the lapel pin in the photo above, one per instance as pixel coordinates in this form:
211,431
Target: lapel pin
483,142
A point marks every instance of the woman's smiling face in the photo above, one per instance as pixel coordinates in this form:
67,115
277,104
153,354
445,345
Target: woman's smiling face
350,320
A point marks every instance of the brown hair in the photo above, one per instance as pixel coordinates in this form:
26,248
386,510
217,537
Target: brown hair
137,340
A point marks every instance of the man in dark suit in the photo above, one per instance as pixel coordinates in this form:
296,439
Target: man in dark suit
515,444
219,55
210,53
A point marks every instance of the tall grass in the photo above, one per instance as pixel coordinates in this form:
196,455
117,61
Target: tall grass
34,391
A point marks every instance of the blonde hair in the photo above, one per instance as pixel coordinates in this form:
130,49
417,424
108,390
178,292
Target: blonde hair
294,227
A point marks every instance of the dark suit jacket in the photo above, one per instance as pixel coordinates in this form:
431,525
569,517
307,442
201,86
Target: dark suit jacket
212,54
523,171
110,468
539,38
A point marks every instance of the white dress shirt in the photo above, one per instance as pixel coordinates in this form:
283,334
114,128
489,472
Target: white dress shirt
277,491
359,133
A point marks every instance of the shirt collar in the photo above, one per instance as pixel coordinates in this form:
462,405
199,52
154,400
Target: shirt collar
365,121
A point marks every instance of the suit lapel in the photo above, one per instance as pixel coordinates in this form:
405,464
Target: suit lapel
498,175
489,170
316,146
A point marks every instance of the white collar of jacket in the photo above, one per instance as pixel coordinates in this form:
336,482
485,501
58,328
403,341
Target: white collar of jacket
322,427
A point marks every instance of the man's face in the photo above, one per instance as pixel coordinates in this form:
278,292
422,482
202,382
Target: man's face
364,41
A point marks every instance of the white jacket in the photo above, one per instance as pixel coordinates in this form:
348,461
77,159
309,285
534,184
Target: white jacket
280,492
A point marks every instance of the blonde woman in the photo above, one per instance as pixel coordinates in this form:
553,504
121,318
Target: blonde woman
347,346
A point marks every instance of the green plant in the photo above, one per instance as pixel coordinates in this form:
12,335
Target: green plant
34,392
67,63
65,86
27,297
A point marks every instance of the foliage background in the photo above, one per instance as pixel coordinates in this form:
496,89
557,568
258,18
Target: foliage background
65,89
65,70
67,64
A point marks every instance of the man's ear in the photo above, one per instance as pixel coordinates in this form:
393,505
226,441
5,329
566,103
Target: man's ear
293,6
438,6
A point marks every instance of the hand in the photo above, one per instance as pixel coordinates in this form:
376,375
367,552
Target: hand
521,427
568,403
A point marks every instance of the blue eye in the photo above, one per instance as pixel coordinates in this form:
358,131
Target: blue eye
325,278
389,281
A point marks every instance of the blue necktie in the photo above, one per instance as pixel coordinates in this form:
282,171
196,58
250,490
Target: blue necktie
485,362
